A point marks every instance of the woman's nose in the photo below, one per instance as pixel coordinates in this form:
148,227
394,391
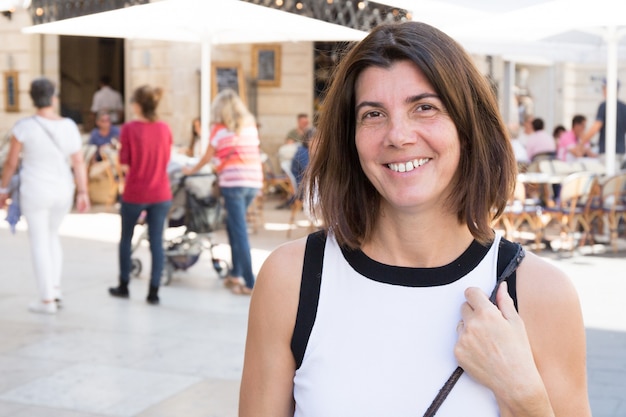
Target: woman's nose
400,132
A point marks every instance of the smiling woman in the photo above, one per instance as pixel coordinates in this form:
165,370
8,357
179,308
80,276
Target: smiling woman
402,125
410,162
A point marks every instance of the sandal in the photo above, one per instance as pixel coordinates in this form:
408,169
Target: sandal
241,290
231,282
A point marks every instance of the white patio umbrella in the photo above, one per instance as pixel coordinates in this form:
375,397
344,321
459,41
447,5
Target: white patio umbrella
557,24
207,22
556,30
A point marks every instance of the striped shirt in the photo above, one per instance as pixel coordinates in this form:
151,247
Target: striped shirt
239,157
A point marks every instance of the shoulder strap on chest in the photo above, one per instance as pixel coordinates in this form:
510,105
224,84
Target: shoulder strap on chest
309,294
510,254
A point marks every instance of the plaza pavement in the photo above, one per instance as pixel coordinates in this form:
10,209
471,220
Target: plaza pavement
102,356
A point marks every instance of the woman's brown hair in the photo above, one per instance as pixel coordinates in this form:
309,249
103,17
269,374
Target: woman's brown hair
342,196
147,98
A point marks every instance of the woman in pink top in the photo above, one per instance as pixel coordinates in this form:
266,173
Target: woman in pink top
540,142
234,142
569,147
144,154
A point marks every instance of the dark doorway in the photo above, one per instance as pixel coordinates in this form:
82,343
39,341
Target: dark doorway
83,61
326,57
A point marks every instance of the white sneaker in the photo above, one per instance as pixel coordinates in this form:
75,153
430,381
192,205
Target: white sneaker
42,308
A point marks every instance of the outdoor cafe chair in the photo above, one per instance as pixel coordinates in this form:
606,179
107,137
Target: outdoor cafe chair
521,211
612,206
273,180
572,209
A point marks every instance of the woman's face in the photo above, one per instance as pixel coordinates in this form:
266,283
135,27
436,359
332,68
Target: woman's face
407,144
104,122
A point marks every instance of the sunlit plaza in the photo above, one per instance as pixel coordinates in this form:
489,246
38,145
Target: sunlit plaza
102,356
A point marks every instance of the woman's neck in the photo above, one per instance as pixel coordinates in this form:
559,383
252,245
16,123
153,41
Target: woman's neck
47,113
418,240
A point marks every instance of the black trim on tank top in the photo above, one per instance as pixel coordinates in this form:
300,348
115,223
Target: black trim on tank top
312,278
309,294
417,277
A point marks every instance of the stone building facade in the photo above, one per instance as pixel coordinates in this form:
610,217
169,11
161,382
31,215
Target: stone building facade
558,90
173,66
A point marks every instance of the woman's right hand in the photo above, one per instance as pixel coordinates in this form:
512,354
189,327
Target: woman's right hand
3,200
83,204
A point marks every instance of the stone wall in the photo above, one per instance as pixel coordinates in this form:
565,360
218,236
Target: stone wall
559,90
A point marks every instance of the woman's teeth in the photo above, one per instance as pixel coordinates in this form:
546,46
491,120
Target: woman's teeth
408,166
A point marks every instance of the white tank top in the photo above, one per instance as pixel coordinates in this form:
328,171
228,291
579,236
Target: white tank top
382,337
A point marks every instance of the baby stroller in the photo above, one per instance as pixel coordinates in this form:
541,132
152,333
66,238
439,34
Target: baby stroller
196,206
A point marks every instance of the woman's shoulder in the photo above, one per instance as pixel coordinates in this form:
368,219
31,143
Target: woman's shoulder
542,287
219,129
280,276
287,258
23,122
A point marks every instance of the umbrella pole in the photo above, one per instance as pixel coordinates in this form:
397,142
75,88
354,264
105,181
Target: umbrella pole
611,99
205,92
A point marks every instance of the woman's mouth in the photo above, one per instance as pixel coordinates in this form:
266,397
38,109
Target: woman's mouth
407,166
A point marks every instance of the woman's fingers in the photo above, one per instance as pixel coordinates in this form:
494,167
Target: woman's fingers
505,302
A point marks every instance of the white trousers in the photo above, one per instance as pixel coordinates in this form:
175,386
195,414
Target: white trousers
44,219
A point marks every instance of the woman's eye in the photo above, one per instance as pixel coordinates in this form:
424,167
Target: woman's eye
424,107
371,115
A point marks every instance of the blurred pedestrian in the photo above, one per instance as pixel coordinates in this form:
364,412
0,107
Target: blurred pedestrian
104,134
48,186
194,147
599,127
234,142
540,143
287,151
570,146
300,160
109,100
144,154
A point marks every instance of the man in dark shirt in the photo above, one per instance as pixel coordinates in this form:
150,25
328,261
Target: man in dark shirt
599,125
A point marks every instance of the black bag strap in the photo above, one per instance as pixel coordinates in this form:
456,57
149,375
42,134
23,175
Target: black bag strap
510,255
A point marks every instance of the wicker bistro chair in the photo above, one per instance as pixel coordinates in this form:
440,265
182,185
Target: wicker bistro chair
610,206
521,210
573,207
105,179
274,181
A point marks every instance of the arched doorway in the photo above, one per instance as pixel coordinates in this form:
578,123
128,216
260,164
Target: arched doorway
83,60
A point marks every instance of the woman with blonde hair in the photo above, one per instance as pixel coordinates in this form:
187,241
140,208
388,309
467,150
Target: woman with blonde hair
234,142
144,154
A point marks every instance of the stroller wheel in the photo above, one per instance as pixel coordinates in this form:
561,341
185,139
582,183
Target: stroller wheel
135,267
221,267
168,272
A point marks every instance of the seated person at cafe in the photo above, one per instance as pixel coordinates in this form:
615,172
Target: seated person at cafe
104,134
570,147
540,142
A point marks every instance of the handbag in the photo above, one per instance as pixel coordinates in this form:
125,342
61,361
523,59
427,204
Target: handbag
14,212
509,257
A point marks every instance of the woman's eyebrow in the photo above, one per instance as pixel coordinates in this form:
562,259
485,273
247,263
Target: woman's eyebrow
408,100
367,104
413,99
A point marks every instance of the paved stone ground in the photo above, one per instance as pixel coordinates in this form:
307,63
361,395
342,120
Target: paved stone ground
107,357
